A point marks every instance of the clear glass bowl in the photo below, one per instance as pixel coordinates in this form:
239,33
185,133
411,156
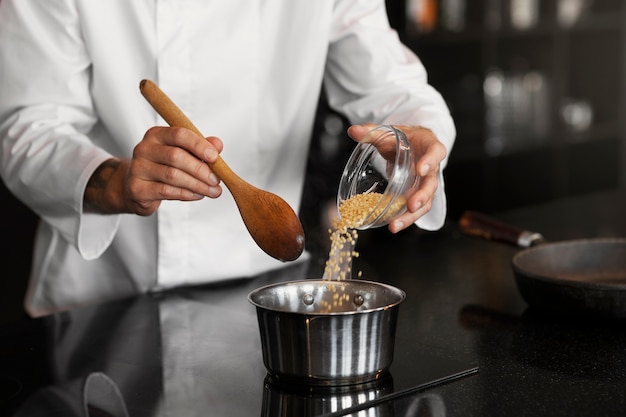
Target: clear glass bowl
383,162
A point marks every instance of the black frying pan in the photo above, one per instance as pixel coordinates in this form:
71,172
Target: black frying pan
583,277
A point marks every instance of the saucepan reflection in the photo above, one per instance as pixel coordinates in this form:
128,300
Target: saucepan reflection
371,399
411,404
280,399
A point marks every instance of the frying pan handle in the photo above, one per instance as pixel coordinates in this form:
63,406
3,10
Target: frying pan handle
481,225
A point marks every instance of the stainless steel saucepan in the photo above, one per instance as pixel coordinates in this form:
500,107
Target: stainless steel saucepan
322,332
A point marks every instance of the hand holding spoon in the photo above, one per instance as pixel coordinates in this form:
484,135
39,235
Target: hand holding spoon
272,223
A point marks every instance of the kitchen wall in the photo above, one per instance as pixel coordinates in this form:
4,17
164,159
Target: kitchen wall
537,90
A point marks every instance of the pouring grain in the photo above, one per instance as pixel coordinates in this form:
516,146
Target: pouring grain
343,237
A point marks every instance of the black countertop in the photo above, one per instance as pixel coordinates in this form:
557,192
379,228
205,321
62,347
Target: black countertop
467,344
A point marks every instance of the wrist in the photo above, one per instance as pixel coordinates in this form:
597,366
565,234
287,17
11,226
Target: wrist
104,193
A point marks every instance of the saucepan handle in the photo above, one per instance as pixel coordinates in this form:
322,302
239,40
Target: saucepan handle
490,228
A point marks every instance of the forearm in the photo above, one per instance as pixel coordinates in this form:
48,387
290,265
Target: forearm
105,189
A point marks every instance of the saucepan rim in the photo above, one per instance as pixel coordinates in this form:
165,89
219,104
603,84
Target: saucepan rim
400,296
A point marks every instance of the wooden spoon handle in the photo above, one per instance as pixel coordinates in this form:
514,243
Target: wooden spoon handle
174,116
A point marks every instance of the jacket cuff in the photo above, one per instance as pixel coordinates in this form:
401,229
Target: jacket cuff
436,217
94,232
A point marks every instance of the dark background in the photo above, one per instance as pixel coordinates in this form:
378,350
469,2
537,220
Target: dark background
582,61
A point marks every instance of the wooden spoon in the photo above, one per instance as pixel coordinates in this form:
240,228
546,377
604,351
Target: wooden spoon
272,223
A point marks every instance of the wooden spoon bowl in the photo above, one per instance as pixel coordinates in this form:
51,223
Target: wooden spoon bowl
272,223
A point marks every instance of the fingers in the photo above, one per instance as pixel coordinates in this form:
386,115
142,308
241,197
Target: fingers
165,182
158,141
418,204
171,164
432,154
358,132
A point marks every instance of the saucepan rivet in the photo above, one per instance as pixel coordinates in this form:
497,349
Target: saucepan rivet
358,300
308,299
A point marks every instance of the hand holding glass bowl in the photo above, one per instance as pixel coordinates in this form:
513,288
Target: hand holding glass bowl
386,162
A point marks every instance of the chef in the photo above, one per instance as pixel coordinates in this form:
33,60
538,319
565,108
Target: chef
128,205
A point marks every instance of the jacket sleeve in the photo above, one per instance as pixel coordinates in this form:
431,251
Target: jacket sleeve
371,77
46,117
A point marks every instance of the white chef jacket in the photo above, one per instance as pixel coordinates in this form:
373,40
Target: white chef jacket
249,72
